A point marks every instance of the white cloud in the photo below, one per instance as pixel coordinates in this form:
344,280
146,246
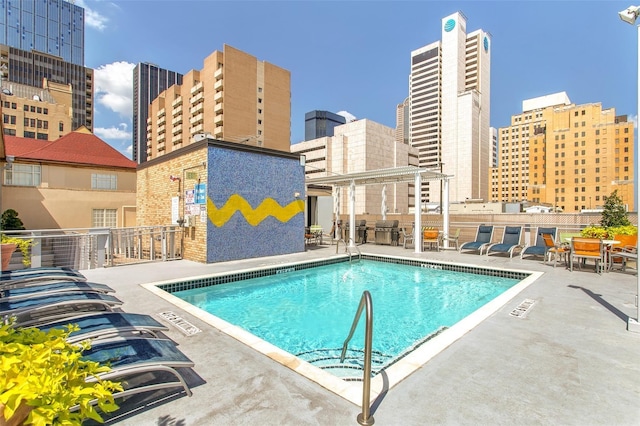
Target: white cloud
120,132
92,18
634,120
347,115
114,87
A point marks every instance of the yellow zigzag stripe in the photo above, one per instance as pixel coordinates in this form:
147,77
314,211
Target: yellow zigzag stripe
268,207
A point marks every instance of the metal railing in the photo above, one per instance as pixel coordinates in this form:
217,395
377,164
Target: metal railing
347,248
92,248
364,418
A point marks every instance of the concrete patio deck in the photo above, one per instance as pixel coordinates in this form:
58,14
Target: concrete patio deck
569,361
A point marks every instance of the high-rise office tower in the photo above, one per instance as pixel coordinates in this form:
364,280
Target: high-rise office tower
235,97
318,124
449,92
41,40
55,27
149,80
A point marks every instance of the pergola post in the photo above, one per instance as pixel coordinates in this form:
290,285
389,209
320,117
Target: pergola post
417,228
352,213
445,210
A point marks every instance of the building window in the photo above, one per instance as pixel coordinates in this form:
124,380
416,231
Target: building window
61,126
104,218
23,175
104,181
42,136
27,134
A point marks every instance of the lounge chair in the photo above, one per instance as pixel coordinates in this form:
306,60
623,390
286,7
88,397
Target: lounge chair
539,248
586,248
141,364
510,241
107,325
452,238
21,276
38,289
484,235
42,309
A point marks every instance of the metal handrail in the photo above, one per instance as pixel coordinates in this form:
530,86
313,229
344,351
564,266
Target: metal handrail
347,247
365,418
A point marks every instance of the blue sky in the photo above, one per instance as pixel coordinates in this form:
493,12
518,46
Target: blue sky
355,55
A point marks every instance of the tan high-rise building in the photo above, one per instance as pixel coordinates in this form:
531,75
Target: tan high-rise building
569,156
37,113
235,98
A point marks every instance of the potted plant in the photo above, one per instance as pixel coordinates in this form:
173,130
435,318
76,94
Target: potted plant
11,221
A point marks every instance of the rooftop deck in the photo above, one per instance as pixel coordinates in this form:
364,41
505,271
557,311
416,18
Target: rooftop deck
569,361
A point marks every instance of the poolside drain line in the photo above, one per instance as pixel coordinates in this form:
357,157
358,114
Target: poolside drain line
521,310
180,323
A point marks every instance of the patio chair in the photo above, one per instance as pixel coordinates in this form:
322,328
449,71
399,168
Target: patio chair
407,237
586,248
108,325
431,237
32,289
557,250
510,241
452,238
539,248
625,250
484,235
42,309
141,365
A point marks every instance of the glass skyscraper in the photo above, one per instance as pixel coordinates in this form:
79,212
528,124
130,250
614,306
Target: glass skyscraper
55,27
149,81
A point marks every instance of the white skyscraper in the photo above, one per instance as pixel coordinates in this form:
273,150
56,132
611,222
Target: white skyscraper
449,91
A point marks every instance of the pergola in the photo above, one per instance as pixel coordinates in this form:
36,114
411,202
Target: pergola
383,177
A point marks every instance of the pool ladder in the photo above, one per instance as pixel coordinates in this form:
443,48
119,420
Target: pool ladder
365,418
347,248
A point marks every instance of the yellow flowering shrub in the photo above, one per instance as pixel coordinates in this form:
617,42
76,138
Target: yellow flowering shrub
42,376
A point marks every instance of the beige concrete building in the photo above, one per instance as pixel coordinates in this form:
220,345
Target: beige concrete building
37,113
565,155
77,181
360,146
234,97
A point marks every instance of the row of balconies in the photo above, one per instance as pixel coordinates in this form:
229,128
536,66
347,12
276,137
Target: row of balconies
176,102
160,113
177,110
197,129
196,109
177,129
199,118
197,89
176,120
197,98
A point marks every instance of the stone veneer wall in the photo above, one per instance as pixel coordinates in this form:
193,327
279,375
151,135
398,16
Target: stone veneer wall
155,190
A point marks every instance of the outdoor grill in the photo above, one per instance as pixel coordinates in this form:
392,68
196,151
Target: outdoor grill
387,232
361,231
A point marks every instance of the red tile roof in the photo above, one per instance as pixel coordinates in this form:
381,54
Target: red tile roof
76,147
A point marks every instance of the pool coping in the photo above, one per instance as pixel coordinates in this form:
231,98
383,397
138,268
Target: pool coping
390,376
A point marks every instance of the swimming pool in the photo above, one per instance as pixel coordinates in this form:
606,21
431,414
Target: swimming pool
309,312
408,342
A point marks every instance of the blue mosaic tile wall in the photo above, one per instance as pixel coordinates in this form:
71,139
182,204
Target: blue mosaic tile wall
234,177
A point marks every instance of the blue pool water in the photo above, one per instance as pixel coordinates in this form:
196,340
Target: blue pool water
312,309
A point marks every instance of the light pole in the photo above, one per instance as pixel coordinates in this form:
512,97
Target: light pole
629,15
